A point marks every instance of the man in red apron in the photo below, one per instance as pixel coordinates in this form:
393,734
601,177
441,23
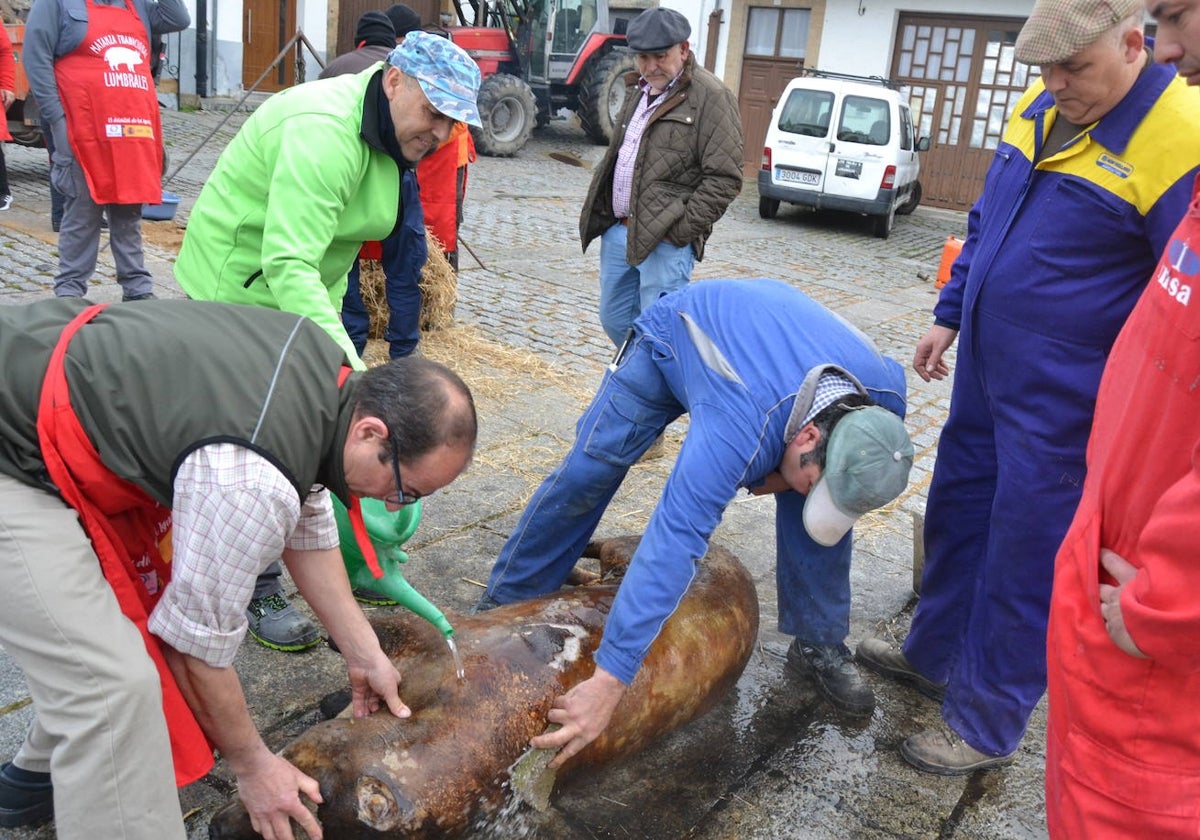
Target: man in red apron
127,647
1123,730
88,64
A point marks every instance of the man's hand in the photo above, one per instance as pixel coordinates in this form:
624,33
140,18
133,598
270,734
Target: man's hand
1110,601
321,578
583,713
7,98
373,683
268,785
927,361
270,788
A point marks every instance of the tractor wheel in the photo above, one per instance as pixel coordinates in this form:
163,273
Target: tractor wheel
602,94
910,204
508,112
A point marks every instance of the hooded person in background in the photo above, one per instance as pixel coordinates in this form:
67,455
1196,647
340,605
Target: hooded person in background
374,38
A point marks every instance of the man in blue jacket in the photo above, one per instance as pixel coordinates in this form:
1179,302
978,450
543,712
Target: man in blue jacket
802,405
1093,172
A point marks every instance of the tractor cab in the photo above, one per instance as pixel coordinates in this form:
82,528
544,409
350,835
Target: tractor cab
539,57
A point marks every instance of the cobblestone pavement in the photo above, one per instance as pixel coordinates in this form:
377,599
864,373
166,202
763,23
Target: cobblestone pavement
771,762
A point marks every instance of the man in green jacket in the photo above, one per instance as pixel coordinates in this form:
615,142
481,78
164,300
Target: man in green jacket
313,174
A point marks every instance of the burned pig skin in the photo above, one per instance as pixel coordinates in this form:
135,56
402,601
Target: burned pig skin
434,774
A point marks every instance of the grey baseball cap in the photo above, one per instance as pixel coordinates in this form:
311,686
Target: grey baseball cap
866,466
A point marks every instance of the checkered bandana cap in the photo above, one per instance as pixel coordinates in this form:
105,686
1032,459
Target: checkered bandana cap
448,76
830,388
1057,29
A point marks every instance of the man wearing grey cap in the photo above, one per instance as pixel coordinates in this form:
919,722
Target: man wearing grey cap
802,406
1093,172
672,169
314,173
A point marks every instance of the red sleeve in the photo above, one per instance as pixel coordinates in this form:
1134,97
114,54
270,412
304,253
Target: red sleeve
8,62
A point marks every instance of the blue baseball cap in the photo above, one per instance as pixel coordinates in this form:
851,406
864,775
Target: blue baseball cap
448,76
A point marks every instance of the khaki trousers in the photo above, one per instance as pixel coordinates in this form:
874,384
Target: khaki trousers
98,727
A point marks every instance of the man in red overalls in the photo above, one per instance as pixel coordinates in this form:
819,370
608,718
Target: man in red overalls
1123,664
88,64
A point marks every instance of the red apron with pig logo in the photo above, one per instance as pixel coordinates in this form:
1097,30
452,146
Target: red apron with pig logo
130,534
111,105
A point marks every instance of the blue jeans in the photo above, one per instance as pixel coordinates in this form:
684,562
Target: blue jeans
626,290
403,290
404,253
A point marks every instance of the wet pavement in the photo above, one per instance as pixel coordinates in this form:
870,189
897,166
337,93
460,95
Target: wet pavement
773,760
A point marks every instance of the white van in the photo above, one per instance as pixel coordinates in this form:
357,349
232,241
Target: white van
841,142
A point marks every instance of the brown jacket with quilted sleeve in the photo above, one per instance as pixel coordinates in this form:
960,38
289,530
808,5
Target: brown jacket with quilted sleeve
688,170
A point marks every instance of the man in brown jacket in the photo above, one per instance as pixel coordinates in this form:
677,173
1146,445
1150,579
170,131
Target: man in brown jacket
673,167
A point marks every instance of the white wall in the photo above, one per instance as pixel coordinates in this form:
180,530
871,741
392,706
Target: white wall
697,12
862,43
225,49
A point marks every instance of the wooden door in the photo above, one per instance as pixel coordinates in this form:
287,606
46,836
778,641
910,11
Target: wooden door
963,80
776,42
349,11
267,25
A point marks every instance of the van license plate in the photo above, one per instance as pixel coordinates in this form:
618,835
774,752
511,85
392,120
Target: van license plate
849,169
792,175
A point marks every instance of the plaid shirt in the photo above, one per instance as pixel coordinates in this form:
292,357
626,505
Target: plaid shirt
627,155
234,513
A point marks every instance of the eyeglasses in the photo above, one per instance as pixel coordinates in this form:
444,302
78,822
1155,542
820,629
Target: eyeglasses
399,497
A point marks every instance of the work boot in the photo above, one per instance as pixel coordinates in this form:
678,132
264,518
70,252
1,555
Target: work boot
143,296
886,659
374,598
26,798
943,751
832,667
276,624
486,602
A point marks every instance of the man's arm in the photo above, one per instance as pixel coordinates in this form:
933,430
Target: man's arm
269,786
321,176
721,143
167,16
37,56
321,578
704,480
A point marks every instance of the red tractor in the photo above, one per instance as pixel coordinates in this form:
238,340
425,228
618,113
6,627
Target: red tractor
540,56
